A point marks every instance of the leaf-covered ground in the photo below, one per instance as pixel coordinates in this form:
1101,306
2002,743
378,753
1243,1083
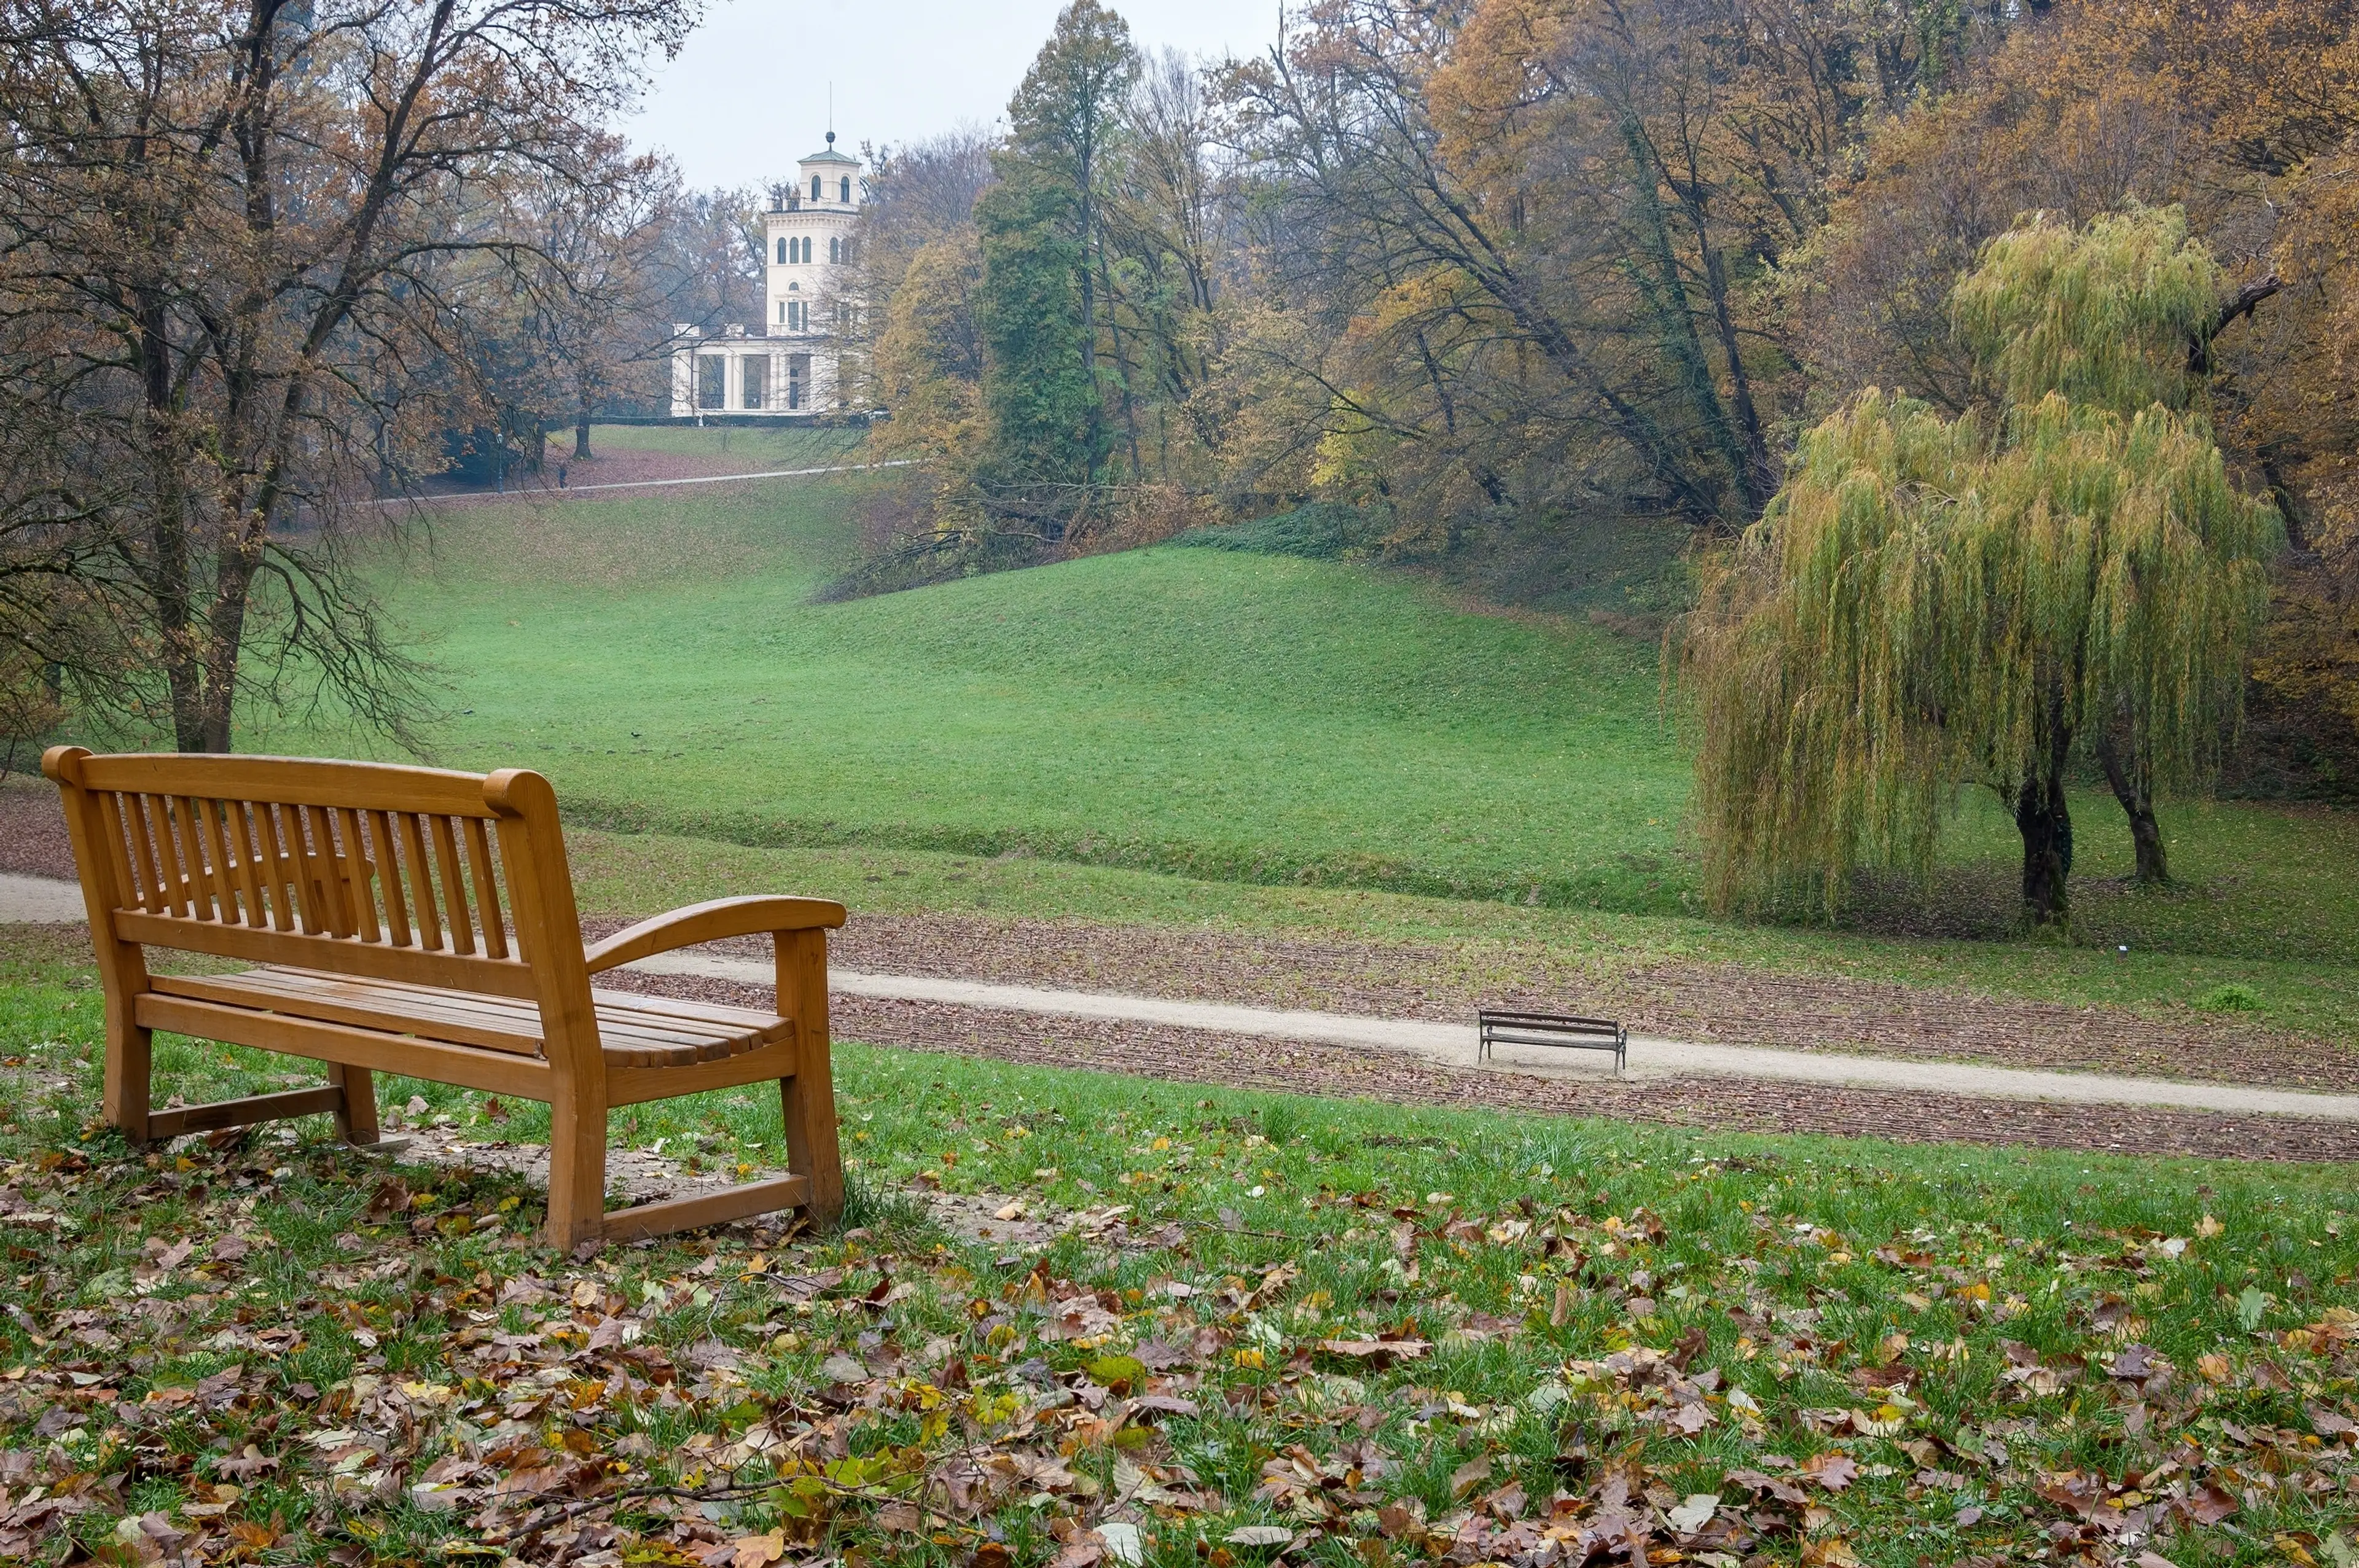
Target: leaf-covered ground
1327,1332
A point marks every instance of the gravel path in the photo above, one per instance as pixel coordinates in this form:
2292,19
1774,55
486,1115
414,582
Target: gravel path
1723,1004
1247,1061
1452,1044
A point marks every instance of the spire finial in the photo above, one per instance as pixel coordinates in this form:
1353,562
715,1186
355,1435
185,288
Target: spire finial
830,113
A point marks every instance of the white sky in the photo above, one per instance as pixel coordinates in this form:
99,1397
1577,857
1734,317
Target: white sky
748,94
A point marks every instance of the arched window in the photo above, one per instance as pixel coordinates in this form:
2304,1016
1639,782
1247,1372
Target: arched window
807,245
782,253
834,249
845,185
816,186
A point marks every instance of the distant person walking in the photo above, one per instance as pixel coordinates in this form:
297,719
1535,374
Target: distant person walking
561,476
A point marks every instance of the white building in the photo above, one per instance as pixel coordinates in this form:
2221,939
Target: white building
790,364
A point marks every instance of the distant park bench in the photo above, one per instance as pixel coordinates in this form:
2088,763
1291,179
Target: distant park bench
414,921
1568,1031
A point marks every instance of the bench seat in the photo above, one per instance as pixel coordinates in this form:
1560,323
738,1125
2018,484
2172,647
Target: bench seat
635,1030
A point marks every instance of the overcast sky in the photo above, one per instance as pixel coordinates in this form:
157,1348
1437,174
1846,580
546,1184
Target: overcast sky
748,95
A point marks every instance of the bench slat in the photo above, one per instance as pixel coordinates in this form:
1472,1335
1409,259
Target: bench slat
491,977
292,781
494,1072
632,1082
1569,1037
633,1030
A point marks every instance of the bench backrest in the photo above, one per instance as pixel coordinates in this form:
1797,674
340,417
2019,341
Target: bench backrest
444,879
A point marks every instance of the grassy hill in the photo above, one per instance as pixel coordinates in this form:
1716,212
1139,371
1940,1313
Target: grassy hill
1241,717
1234,716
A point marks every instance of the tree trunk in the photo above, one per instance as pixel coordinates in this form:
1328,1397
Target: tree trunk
2045,824
581,435
1122,368
2138,805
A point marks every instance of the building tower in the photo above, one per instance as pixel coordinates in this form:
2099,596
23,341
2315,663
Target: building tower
790,364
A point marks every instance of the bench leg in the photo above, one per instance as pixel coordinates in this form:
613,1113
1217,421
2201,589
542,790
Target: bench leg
577,1174
356,1112
130,1065
808,1099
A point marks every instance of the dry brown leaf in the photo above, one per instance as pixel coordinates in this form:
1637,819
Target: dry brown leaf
756,1551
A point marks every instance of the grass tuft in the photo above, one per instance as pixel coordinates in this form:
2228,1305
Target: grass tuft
2233,996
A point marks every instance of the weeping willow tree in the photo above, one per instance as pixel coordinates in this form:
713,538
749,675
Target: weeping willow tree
1930,602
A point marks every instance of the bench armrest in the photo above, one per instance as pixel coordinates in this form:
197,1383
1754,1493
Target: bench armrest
710,922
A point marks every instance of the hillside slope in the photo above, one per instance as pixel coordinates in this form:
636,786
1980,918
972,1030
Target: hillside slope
1218,714
1236,716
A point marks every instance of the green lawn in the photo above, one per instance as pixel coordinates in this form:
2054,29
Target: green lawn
1378,1336
1226,715
1189,735
1232,717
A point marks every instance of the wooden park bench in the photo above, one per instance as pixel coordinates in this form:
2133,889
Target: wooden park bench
415,921
1559,1029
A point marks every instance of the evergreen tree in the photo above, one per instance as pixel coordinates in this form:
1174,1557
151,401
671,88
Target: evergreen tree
1045,440
1044,274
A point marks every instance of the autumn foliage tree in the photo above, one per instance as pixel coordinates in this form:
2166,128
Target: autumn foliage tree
1935,599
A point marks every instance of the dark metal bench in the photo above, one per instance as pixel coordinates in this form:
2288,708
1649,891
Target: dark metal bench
1566,1030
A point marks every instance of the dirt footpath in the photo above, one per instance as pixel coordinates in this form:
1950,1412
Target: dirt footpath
1195,1055
1715,1003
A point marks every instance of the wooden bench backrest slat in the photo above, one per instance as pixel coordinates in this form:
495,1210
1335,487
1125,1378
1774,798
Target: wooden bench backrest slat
396,909
421,886
292,781
351,868
454,885
487,889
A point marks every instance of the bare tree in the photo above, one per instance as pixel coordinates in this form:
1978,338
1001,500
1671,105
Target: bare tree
226,231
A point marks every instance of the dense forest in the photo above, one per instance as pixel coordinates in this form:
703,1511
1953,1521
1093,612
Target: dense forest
1511,288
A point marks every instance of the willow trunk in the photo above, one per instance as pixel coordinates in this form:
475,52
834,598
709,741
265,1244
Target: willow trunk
2138,804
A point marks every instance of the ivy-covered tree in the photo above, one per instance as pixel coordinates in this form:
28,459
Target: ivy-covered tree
2066,569
1045,440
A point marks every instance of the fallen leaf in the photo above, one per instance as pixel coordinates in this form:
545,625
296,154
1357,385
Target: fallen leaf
1083,1550
1695,1513
1375,1353
1124,1542
1260,1535
1832,1470
756,1551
